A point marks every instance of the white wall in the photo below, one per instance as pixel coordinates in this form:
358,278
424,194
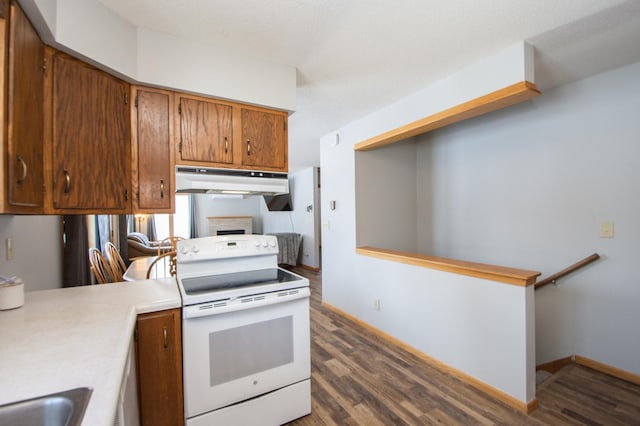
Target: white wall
434,311
98,34
279,221
303,188
528,187
90,30
37,250
386,210
524,187
168,61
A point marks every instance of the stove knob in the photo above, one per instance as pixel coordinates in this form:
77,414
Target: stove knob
272,243
265,243
184,249
257,243
195,249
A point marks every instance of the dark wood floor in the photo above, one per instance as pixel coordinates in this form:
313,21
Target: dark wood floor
360,379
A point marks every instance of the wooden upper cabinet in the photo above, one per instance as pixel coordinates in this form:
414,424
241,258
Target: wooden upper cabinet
25,171
152,150
264,138
206,131
226,134
159,367
91,155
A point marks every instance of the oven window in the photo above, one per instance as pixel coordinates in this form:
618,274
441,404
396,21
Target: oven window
241,351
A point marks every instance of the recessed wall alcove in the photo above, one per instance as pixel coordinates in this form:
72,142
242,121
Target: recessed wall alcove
386,197
394,187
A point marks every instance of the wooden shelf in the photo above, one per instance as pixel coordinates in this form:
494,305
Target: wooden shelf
519,277
505,97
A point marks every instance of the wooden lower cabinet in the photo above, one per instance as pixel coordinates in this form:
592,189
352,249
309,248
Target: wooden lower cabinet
159,367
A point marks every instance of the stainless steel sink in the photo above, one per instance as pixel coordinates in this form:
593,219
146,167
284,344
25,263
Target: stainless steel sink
58,409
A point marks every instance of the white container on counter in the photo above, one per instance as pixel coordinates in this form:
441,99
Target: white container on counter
11,294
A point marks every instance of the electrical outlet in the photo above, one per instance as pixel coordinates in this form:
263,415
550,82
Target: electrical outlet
606,230
376,304
9,248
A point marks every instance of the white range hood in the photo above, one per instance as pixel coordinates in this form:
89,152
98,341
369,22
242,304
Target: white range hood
203,180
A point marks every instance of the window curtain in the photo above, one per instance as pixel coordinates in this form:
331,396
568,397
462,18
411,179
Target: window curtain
193,216
131,223
122,234
103,231
75,255
151,227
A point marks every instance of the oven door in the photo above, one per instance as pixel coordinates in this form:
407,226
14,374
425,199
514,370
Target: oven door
236,350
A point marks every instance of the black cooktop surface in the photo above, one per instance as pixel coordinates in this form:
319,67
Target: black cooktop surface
213,283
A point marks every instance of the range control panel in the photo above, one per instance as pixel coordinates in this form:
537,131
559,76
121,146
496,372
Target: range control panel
226,246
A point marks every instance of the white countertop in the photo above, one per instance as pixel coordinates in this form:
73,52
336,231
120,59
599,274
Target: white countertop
74,337
138,269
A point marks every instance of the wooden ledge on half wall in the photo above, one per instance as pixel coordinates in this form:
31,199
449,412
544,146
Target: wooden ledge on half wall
513,276
502,98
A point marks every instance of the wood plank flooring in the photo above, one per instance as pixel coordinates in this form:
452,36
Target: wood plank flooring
359,379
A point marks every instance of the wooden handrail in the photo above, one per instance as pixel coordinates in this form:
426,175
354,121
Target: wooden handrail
568,270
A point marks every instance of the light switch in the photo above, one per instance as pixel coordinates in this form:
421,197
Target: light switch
606,229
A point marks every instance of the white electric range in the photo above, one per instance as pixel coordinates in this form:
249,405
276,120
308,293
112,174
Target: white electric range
245,328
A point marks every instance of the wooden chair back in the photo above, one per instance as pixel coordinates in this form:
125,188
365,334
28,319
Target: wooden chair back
172,241
168,261
100,267
116,262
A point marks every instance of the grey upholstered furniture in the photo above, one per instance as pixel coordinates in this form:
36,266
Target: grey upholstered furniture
139,246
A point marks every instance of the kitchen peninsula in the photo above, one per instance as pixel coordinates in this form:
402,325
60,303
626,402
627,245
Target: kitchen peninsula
77,337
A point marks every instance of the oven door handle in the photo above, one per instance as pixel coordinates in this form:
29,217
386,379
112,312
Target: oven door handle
244,303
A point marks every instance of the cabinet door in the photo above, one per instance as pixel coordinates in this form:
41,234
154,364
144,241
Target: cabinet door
91,146
206,131
152,150
25,113
264,139
159,358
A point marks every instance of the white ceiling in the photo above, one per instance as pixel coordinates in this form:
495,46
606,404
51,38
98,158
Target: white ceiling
355,56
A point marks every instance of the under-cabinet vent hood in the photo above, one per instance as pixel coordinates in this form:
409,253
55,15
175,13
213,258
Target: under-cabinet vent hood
202,180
